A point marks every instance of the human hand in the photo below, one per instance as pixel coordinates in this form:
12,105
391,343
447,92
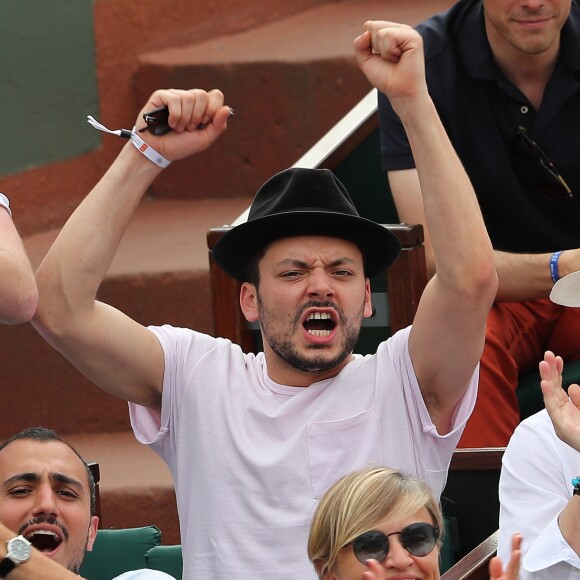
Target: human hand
375,571
564,409
496,571
391,57
196,117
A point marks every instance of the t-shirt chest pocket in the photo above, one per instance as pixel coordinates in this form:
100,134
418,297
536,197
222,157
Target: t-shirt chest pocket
336,448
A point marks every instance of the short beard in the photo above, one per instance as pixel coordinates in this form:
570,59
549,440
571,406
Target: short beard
283,346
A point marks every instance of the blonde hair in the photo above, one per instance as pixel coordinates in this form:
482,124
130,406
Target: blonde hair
359,501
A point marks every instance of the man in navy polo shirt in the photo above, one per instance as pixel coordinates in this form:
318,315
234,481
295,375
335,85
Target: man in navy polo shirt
505,78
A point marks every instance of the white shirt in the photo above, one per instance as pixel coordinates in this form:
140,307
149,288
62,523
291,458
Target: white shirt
535,486
144,574
250,458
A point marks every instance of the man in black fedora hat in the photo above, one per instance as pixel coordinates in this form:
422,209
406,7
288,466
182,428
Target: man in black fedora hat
254,440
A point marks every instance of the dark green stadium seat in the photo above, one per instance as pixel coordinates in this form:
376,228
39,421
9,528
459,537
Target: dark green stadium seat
167,559
120,550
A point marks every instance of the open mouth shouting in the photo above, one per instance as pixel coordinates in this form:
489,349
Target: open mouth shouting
320,324
44,540
45,536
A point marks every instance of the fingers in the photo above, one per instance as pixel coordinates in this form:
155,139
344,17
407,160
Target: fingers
189,108
390,39
375,571
513,568
551,374
495,568
574,394
362,45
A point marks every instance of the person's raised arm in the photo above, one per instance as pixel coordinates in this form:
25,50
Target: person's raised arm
112,350
18,293
448,333
564,412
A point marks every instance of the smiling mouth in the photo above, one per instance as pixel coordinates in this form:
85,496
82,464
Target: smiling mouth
319,324
44,540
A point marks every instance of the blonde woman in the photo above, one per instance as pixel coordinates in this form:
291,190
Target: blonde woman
380,523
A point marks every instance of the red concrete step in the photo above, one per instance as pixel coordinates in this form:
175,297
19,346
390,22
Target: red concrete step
288,81
136,488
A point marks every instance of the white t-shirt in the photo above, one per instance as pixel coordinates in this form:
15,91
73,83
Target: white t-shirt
250,458
534,487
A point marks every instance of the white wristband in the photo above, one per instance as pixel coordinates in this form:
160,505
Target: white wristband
5,203
138,143
148,151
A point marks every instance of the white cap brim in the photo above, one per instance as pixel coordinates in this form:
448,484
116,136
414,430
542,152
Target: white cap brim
566,291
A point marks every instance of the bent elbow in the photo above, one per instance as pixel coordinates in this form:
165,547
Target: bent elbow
20,308
484,282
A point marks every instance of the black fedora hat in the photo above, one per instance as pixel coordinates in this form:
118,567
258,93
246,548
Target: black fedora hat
297,202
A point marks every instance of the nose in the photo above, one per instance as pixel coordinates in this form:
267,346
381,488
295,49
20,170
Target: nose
533,4
398,557
320,284
45,502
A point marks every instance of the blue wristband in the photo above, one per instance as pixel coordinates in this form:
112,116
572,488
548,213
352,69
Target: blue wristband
576,485
554,266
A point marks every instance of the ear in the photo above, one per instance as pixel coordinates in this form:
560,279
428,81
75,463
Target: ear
249,301
92,536
368,308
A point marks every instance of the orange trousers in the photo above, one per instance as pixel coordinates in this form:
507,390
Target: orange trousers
517,335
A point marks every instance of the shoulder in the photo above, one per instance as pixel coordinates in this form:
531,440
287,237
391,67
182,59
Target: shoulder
173,337
533,432
441,31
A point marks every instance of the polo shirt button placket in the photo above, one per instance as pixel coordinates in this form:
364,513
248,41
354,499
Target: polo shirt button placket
524,109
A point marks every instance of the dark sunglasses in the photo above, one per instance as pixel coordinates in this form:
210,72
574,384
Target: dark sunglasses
418,539
527,150
157,121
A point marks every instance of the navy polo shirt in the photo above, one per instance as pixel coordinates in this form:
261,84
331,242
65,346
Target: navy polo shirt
481,111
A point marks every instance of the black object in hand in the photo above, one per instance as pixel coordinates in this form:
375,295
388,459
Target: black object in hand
157,122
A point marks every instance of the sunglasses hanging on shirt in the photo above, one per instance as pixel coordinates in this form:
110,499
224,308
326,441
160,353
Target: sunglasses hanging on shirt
552,184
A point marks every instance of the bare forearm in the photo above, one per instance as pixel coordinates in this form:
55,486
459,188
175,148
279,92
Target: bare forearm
528,276
18,293
521,276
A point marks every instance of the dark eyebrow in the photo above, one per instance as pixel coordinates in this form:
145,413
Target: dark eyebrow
28,476
61,478
35,477
341,261
293,262
302,264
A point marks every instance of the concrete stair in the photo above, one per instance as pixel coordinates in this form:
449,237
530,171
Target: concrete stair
289,82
